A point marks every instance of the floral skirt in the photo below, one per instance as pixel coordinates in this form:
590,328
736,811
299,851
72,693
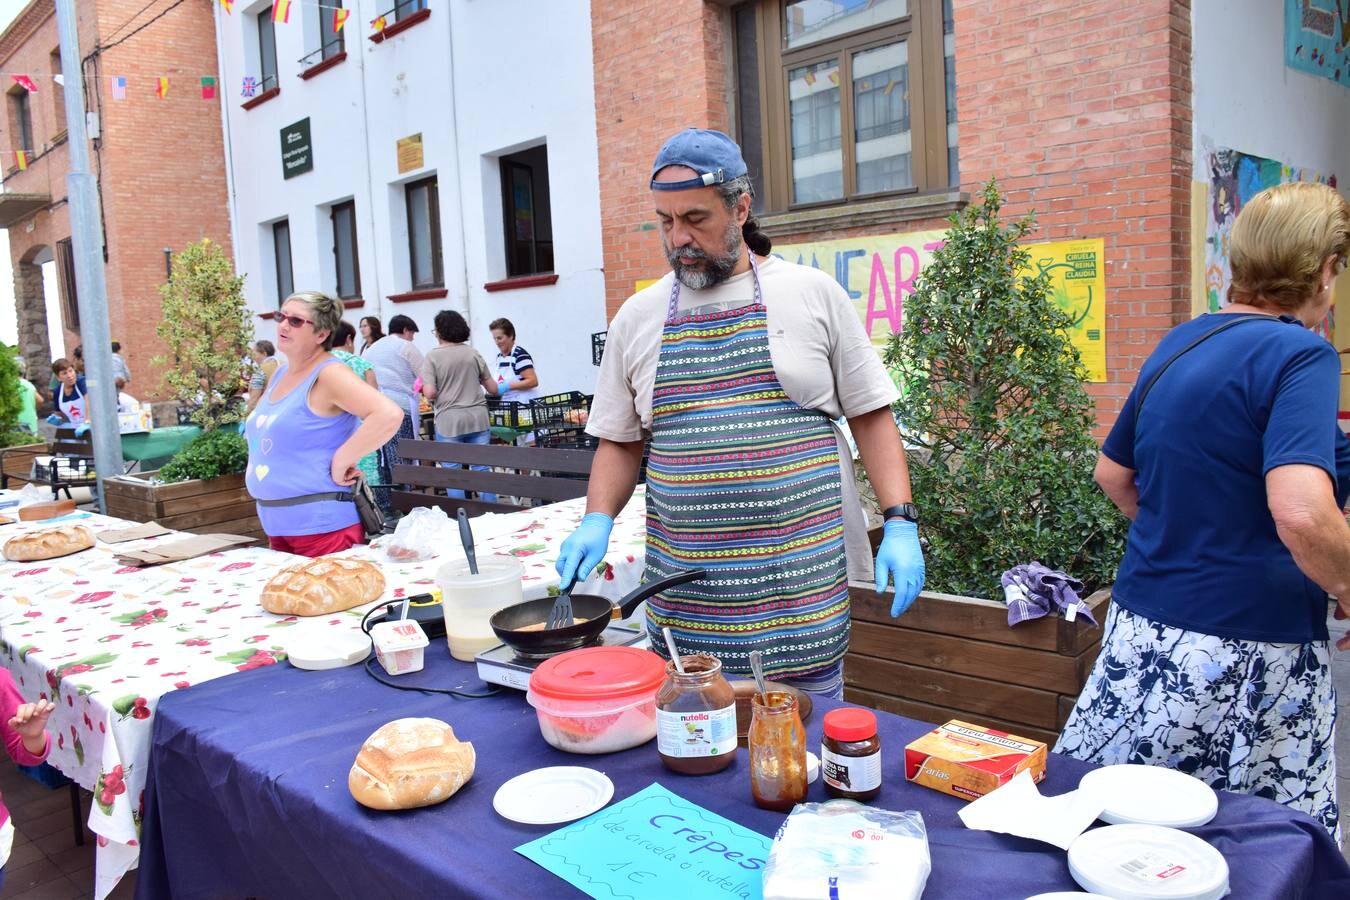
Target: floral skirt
1243,716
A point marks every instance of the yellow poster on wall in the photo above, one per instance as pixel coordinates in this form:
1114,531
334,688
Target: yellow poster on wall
1078,287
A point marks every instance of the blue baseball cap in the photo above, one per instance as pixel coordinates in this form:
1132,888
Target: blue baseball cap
714,156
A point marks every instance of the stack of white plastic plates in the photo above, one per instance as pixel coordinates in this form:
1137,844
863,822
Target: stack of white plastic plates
1069,895
318,650
1146,862
552,795
1150,795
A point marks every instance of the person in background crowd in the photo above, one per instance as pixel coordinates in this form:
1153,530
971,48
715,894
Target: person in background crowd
125,402
343,343
70,396
265,364
119,365
516,376
28,397
454,377
314,423
79,360
1215,657
24,729
371,331
699,363
397,362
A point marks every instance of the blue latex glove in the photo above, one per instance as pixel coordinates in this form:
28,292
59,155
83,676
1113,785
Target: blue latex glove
584,548
82,429
901,558
54,419
242,427
502,388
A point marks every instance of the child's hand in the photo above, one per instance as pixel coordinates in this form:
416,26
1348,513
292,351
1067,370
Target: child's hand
30,719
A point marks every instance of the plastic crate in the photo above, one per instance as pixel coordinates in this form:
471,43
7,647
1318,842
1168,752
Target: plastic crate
566,411
597,347
566,439
511,414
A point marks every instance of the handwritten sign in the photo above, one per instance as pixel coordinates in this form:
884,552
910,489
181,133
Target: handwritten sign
655,845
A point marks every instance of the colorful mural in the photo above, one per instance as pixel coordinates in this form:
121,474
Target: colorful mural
1234,178
1317,38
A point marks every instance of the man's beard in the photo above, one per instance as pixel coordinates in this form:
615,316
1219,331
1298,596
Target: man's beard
715,270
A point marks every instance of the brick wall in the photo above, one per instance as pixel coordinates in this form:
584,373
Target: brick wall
159,162
1082,111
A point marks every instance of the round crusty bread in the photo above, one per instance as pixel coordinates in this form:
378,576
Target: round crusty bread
409,763
326,584
49,543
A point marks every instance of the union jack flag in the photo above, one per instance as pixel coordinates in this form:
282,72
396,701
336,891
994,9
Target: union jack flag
250,86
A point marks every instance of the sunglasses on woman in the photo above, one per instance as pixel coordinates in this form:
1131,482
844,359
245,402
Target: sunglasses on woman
293,321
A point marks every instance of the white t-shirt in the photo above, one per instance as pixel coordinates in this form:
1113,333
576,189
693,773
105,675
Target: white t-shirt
397,363
820,352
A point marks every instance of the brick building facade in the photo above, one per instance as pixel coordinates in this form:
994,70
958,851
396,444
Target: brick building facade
158,163
1081,110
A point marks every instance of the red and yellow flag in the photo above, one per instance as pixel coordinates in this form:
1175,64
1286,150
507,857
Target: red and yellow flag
340,19
162,87
281,11
21,158
229,6
378,23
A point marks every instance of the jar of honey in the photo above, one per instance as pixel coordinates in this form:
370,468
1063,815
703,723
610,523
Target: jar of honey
777,751
696,717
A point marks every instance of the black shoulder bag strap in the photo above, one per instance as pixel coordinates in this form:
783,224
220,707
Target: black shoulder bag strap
1234,319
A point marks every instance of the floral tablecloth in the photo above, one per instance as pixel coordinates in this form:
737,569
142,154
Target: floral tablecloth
104,641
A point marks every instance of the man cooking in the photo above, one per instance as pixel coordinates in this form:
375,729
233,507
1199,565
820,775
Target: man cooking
735,365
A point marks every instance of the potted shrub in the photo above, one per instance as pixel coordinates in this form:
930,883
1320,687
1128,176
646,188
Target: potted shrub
17,448
206,326
994,405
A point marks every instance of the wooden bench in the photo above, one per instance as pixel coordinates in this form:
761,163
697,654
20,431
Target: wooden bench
534,474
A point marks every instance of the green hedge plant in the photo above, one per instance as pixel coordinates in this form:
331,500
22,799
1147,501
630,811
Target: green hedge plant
993,396
210,455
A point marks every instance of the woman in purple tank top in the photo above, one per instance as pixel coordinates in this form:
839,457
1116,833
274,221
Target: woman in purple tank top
306,435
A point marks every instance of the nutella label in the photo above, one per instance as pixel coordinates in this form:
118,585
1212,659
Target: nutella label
708,732
850,773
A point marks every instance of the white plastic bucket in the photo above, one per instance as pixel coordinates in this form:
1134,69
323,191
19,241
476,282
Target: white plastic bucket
468,601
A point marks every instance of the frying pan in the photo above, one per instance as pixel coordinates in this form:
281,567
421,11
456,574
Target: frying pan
596,613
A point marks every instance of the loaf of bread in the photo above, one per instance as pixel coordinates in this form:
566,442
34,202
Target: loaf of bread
320,586
46,509
409,763
49,543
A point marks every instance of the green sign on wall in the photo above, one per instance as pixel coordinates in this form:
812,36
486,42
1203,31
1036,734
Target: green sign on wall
297,150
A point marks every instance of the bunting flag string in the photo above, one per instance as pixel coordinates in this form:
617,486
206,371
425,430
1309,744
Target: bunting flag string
281,11
21,159
284,15
340,19
162,88
119,87
208,87
25,82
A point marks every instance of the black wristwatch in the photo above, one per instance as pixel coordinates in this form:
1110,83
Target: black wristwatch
902,511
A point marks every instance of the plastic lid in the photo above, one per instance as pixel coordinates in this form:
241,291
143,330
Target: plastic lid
598,673
850,724
1148,862
400,634
1150,795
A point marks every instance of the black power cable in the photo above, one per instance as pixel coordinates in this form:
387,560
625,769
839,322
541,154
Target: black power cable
370,664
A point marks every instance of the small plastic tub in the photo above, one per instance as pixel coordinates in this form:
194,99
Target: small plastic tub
399,646
597,699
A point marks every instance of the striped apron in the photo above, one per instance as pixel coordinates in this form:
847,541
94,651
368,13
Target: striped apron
745,483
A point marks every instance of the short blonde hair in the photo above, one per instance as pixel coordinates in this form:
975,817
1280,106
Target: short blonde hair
326,310
1280,241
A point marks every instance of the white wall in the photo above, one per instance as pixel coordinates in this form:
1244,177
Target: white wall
1246,99
476,80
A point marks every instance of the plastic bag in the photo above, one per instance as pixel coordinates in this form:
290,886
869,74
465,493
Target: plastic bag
421,534
850,851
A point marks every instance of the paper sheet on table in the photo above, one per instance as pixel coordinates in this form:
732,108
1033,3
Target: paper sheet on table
134,533
175,551
1018,808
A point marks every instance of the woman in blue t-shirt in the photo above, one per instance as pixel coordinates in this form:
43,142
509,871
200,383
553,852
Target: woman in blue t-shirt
1215,659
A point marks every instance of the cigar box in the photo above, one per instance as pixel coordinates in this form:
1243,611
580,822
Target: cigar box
969,761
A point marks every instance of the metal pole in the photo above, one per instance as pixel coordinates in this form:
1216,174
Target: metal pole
87,248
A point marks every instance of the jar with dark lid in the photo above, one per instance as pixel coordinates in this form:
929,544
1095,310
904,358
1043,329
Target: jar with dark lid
850,754
696,717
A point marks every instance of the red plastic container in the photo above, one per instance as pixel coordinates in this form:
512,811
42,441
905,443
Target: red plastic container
597,699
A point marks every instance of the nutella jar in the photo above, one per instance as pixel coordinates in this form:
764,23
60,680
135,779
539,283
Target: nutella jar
850,754
696,717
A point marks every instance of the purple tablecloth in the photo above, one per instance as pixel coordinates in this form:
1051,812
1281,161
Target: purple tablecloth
248,796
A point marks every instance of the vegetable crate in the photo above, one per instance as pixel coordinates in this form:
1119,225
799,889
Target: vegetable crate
559,421
509,414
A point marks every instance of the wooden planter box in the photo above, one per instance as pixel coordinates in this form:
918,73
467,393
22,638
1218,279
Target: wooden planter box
217,505
17,463
951,657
